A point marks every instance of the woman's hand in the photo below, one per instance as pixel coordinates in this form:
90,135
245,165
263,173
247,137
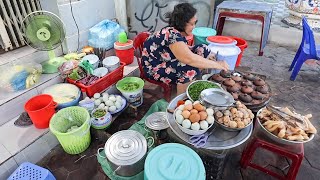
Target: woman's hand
223,65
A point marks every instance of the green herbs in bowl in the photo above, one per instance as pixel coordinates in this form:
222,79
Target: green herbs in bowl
194,89
130,86
99,113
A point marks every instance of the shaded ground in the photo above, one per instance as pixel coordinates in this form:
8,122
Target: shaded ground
302,95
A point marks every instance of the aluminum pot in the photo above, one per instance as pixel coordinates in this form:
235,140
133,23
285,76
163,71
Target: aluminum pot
126,152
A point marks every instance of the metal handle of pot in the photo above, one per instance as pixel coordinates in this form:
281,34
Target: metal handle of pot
114,172
152,140
98,152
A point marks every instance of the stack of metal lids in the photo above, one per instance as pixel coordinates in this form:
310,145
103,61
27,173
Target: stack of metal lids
126,147
157,121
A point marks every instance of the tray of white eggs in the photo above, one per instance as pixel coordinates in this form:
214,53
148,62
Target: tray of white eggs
110,102
193,118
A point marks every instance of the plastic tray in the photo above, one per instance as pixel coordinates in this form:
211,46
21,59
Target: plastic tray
102,83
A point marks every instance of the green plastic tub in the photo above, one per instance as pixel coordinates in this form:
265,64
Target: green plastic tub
78,140
201,34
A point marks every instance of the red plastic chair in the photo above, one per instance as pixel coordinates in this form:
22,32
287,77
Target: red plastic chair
138,45
295,153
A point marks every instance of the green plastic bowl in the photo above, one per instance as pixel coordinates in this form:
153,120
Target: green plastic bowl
123,82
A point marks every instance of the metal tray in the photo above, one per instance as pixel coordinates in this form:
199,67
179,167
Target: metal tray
216,97
220,139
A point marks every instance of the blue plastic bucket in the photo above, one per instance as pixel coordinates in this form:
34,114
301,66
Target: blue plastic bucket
201,34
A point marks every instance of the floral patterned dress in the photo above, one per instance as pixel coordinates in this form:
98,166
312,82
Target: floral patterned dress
160,64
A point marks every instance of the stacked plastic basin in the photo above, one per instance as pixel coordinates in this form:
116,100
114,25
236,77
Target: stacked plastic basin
201,33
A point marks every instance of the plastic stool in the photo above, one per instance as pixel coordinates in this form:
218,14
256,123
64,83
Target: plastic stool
245,10
28,171
286,151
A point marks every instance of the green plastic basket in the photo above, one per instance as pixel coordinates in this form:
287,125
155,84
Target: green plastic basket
78,140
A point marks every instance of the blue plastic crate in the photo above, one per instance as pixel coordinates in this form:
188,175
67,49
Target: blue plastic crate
27,171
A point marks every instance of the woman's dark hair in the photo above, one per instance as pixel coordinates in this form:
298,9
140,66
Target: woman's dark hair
181,15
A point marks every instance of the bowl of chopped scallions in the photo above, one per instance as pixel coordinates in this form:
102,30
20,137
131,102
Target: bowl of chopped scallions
195,88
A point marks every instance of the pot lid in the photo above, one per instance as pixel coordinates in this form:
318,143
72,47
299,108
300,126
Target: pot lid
220,39
123,46
203,32
126,147
174,161
157,121
217,97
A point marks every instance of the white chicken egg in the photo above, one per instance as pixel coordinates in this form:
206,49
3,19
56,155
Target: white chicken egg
121,102
118,105
186,123
178,112
105,94
109,103
179,118
187,102
97,102
112,98
101,106
204,125
210,119
196,102
181,107
195,126
96,95
209,111
87,99
105,99
112,108
106,108
119,98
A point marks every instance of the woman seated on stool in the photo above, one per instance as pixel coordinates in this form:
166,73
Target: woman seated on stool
166,57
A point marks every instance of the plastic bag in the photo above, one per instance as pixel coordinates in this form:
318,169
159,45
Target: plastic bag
19,77
104,34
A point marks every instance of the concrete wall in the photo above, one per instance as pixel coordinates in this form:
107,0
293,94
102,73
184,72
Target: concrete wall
149,15
87,13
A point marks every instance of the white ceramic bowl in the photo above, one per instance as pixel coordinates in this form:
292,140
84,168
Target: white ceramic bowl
101,122
100,72
194,82
111,62
93,59
190,131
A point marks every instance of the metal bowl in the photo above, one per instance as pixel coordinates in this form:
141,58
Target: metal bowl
233,129
276,138
190,131
194,82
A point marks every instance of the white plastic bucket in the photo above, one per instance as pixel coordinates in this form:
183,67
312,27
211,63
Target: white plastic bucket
93,59
226,52
111,63
135,96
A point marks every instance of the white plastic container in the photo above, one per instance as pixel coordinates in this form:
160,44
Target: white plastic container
111,62
93,59
226,51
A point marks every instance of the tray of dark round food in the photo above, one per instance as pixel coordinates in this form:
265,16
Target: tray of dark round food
249,88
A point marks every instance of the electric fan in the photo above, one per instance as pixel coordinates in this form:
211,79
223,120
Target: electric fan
45,31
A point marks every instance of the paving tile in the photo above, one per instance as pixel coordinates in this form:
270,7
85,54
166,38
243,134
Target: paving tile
4,154
17,138
7,168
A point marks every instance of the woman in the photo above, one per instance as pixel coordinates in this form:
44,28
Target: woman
166,56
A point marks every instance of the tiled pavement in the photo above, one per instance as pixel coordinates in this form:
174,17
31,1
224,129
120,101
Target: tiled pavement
302,95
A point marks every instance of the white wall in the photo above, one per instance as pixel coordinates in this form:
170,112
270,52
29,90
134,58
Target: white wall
87,13
148,15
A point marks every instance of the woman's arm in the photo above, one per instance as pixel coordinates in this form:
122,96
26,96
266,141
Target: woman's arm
182,52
